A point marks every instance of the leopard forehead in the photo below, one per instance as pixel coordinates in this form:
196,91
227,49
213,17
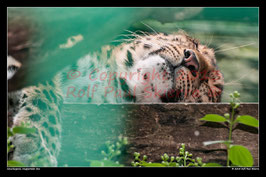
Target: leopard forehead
142,45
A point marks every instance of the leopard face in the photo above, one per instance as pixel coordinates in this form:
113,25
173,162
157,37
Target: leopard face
169,68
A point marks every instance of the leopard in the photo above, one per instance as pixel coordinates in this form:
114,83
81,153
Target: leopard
151,68
37,107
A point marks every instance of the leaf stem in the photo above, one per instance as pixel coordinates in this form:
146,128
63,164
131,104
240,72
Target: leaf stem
231,124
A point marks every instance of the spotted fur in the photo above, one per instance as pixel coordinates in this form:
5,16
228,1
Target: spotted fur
130,57
149,68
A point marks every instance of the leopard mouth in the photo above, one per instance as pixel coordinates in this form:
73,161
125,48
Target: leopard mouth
190,65
162,77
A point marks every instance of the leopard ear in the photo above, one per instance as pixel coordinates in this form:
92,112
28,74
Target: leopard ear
205,62
213,78
207,57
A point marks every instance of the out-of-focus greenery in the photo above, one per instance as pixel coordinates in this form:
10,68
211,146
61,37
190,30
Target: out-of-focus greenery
23,129
231,32
219,28
184,159
54,27
112,151
237,155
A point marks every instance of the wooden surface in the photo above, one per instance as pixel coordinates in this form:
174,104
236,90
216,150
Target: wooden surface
151,130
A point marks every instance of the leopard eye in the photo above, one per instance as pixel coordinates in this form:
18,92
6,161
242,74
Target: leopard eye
12,68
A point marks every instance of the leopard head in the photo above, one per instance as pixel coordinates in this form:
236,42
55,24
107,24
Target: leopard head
170,68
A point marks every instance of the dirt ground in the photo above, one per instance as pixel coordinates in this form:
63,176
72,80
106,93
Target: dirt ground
158,129
152,130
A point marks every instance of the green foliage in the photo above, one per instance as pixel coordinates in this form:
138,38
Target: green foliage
236,154
212,165
248,120
240,156
13,163
104,163
184,159
22,129
206,143
213,118
112,151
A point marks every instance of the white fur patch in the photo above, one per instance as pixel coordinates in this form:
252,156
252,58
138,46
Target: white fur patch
150,78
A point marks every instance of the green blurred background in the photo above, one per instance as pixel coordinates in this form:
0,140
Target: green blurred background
224,29
232,32
219,28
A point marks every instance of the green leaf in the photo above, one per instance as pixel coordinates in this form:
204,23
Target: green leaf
173,164
145,164
236,94
212,165
240,155
213,118
23,130
103,163
206,143
9,132
248,120
13,163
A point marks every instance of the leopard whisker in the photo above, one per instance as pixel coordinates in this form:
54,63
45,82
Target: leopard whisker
210,41
236,82
143,32
134,34
126,35
179,29
149,27
122,40
223,50
219,47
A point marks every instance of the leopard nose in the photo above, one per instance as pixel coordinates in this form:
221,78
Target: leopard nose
190,61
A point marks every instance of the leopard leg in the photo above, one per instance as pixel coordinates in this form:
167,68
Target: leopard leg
40,109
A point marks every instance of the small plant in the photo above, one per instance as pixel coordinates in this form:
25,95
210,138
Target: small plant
183,160
237,155
24,128
112,151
